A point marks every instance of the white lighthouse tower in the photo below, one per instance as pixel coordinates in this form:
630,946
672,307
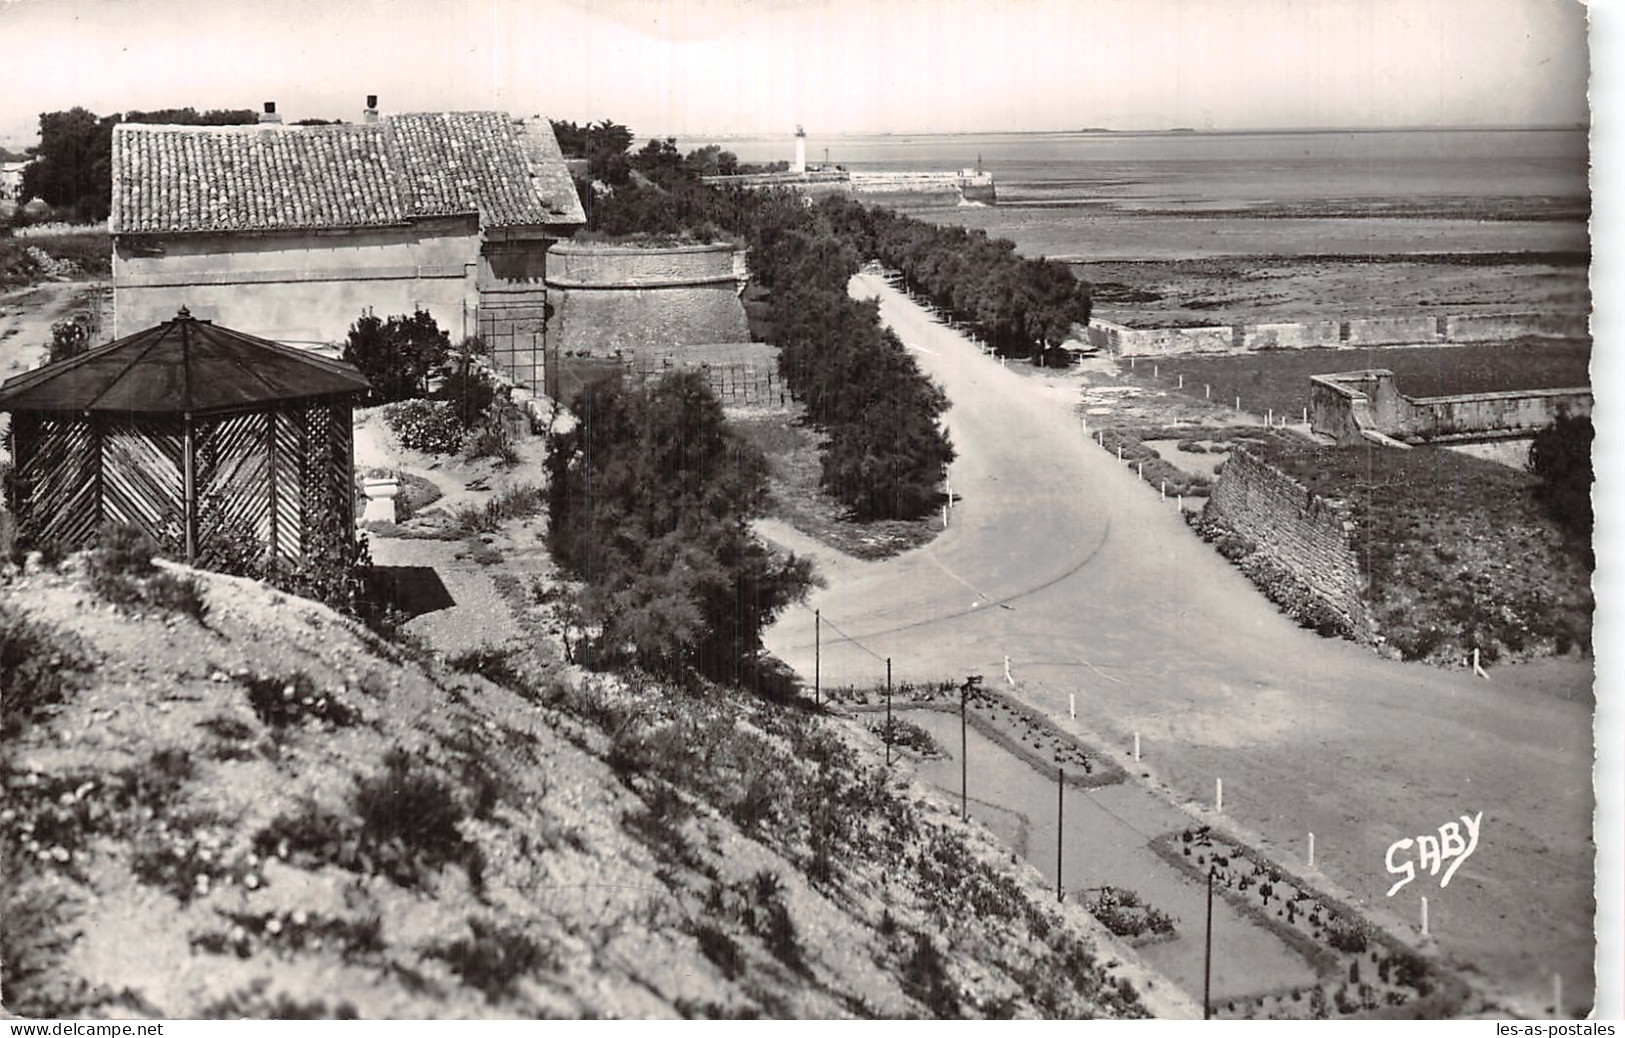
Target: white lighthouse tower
801,151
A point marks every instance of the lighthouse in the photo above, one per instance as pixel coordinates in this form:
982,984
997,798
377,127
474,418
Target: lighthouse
801,151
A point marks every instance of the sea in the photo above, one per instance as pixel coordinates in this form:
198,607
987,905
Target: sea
1206,169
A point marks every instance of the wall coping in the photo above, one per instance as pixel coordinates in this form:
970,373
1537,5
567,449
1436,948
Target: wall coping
589,248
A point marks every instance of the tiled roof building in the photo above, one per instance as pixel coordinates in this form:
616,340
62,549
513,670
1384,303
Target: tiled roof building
289,232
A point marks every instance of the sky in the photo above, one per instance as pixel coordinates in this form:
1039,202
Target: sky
712,67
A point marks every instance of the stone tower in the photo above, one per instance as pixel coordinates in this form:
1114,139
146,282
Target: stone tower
801,151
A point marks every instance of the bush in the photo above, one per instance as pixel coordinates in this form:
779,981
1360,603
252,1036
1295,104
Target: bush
493,958
406,826
409,820
470,392
429,426
37,670
122,572
649,500
279,702
71,337
397,355
514,503
1560,455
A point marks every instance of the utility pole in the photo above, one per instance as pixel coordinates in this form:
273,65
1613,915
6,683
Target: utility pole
1060,828
818,651
1207,958
974,681
889,732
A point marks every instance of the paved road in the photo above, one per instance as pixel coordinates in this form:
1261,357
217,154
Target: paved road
1058,557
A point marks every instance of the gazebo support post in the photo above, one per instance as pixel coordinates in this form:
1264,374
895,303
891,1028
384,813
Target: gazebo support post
189,491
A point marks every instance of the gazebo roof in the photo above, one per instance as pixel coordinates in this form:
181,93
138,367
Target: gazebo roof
181,366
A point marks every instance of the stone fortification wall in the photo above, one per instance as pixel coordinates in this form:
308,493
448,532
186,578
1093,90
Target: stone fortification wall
1293,543
1496,327
1373,331
621,297
1140,342
1356,406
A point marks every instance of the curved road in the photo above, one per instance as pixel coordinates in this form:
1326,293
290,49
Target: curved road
1060,558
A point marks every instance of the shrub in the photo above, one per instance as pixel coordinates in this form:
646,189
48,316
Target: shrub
650,498
492,663
493,958
172,593
122,572
37,670
397,355
721,949
514,503
925,978
1560,455
72,337
429,426
34,939
409,819
909,736
279,702
470,392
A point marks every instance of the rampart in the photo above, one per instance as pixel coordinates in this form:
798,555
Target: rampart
1366,406
1294,543
626,297
1372,331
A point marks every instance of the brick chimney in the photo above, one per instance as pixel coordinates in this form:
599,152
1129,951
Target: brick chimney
369,114
269,115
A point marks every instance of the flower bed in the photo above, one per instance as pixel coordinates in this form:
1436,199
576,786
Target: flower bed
1362,972
1010,724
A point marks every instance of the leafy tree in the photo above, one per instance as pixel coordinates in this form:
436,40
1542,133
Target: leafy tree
660,161
73,162
602,144
72,166
1560,455
711,160
650,501
397,355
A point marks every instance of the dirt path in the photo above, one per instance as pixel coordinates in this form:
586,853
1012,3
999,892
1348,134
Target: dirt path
1059,559
26,317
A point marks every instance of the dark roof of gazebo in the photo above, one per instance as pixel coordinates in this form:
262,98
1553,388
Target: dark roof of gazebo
181,366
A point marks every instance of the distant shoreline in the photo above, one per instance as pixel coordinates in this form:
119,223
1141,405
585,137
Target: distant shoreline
1103,132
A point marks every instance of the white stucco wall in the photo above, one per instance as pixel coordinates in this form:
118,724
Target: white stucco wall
300,287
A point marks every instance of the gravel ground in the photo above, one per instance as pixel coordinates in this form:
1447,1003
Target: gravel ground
480,616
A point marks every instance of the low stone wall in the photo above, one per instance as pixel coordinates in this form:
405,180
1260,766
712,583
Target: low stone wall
1290,336
1356,406
1142,342
1375,331
1497,327
1293,543
1389,331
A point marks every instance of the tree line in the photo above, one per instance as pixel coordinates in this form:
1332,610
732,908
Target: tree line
1021,307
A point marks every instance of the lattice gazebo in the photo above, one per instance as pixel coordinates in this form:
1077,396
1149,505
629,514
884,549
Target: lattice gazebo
204,438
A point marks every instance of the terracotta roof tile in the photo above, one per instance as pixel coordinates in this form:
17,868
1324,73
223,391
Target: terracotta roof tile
180,179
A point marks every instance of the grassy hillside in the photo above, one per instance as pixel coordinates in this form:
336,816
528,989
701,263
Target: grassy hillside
222,801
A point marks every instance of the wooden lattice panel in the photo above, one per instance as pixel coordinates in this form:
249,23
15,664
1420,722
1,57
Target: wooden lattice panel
288,463
57,470
141,476
232,474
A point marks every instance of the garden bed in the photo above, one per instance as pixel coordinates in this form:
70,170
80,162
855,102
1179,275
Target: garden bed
1363,972
1009,723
